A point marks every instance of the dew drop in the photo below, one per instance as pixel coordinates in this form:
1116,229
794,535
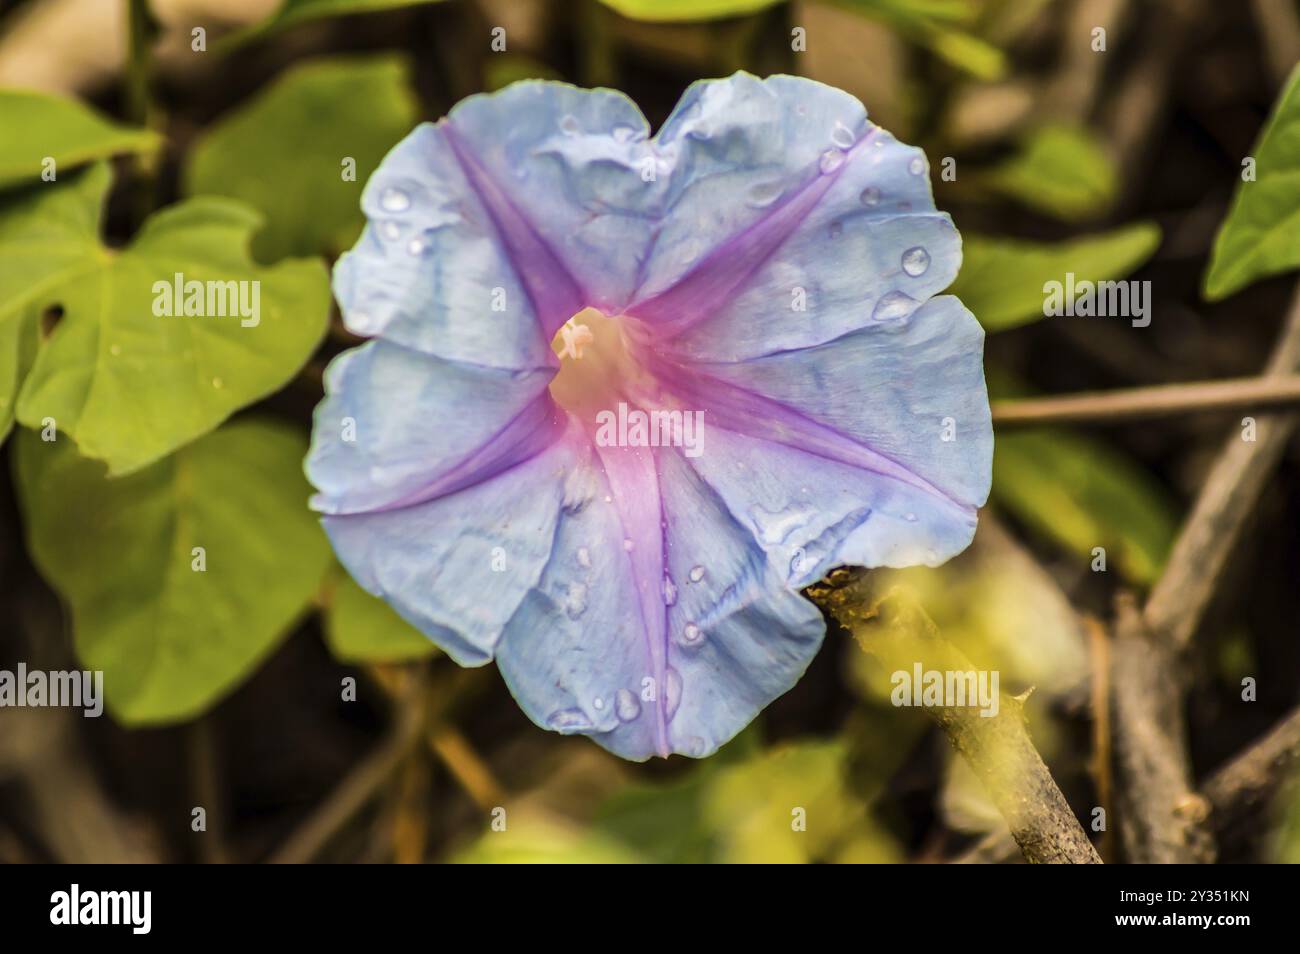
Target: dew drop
893,305
392,231
692,633
626,705
598,704
670,591
217,383
584,558
575,600
569,721
831,160
672,692
916,166
764,194
627,544
697,574
842,136
870,196
915,261
361,322
394,200
910,517
416,247
569,125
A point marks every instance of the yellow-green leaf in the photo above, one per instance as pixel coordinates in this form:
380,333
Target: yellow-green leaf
1261,235
1060,170
361,628
286,152
124,371
183,576
35,127
1001,280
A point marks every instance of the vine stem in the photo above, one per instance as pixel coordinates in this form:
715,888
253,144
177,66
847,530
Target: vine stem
1234,394
895,630
138,63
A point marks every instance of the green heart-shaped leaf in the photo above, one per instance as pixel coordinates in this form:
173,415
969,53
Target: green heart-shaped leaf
172,626
128,384
348,109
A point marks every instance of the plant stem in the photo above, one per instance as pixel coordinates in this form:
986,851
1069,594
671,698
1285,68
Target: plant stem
1235,394
138,63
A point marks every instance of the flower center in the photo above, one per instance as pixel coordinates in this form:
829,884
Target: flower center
596,368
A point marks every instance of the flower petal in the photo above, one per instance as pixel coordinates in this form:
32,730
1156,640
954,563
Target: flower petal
457,567
673,645
399,426
431,271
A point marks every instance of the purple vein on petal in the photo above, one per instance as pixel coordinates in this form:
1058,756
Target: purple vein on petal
746,412
535,427
634,486
554,293
708,287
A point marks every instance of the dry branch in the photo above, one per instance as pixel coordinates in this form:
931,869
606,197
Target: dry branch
1162,820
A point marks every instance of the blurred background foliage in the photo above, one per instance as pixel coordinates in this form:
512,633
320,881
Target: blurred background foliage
206,136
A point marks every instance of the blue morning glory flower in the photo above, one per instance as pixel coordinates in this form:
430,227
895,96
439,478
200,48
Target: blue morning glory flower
626,395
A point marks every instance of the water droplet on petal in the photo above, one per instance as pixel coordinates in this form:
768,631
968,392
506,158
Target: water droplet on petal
764,194
416,247
697,574
893,305
916,166
626,705
627,544
361,322
670,591
598,703
831,160
569,125
692,633
392,231
569,721
870,196
915,261
672,692
910,517
842,136
584,557
394,200
575,600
